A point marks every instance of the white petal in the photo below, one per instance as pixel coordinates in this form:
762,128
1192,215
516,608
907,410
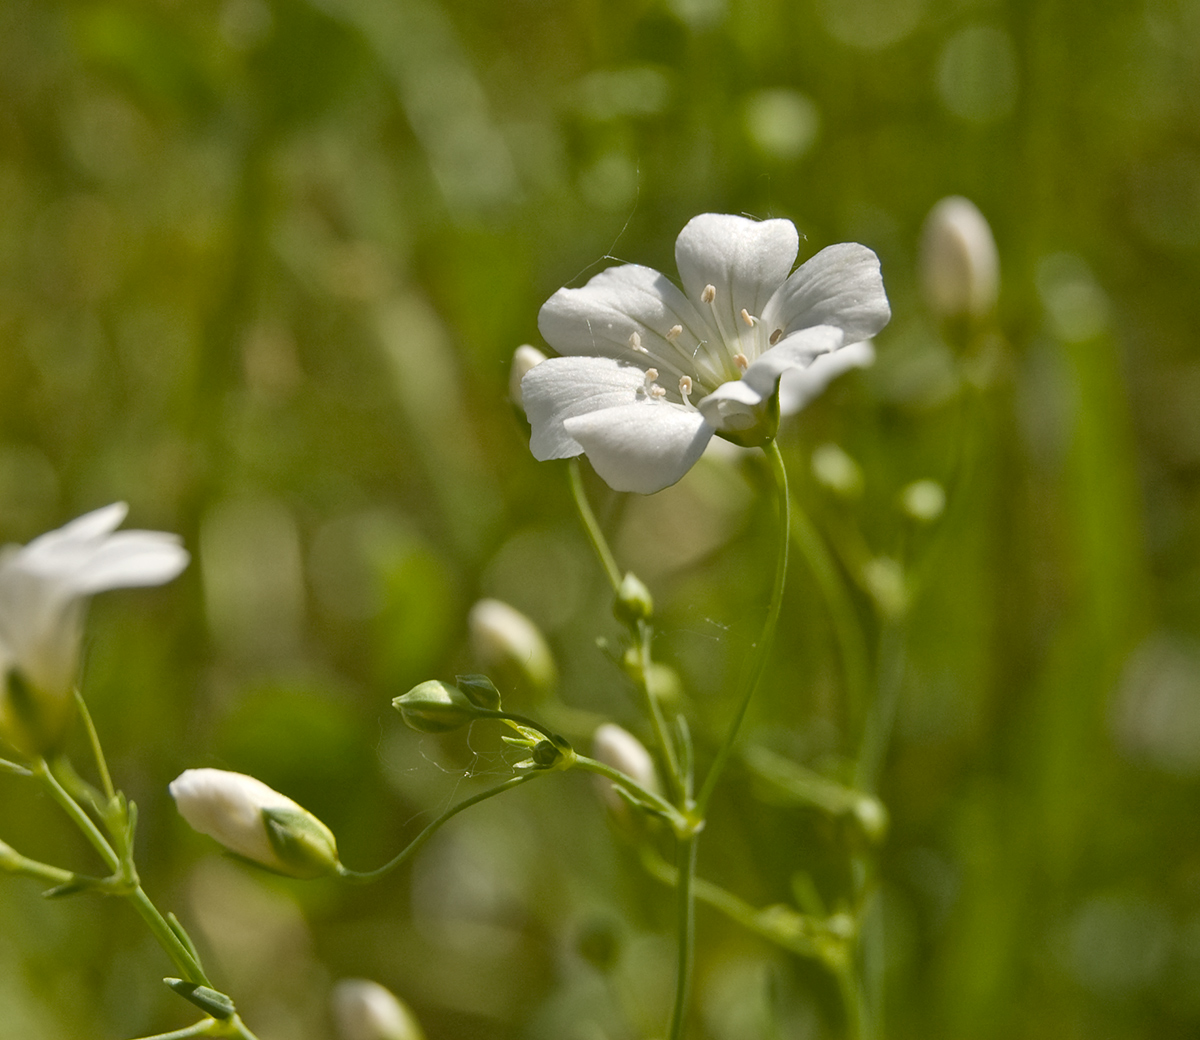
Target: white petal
600,319
840,286
797,351
641,447
733,407
561,388
57,551
130,559
799,387
744,260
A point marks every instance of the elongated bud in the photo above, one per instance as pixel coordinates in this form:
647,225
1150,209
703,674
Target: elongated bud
524,359
620,749
634,602
255,822
435,707
364,1010
510,647
960,267
479,690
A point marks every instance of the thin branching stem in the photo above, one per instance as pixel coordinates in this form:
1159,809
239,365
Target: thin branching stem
762,649
366,876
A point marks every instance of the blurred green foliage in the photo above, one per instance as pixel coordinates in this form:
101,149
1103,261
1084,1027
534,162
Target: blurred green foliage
263,264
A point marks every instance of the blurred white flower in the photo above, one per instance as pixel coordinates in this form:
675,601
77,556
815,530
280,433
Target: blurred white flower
960,266
365,1010
621,750
651,373
255,822
510,647
44,590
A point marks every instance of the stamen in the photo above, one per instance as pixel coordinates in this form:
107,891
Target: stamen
749,318
776,336
709,294
674,332
685,388
741,362
658,391
651,375
635,343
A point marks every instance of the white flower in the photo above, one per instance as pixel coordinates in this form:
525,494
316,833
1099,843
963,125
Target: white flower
255,821
44,590
651,373
365,1010
960,266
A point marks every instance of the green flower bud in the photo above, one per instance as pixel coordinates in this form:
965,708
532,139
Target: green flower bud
479,690
435,707
634,602
255,822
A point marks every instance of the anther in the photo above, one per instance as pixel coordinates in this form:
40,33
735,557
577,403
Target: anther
741,362
658,391
749,318
635,343
685,388
674,332
709,294
776,336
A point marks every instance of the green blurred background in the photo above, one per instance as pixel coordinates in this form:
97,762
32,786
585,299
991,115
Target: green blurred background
263,264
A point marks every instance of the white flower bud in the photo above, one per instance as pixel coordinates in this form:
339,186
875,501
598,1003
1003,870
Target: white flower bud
837,471
924,500
510,647
255,822
620,749
525,358
365,1010
960,267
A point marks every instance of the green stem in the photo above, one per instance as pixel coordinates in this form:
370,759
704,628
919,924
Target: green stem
14,863
205,1027
763,648
41,770
592,527
680,822
366,876
97,752
852,1002
167,939
12,767
184,960
641,632
847,629
877,730
685,906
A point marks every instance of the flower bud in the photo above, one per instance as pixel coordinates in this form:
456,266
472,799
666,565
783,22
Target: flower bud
10,859
634,602
924,500
255,822
837,471
872,817
364,1010
960,267
510,647
524,358
479,690
621,750
435,707
885,581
